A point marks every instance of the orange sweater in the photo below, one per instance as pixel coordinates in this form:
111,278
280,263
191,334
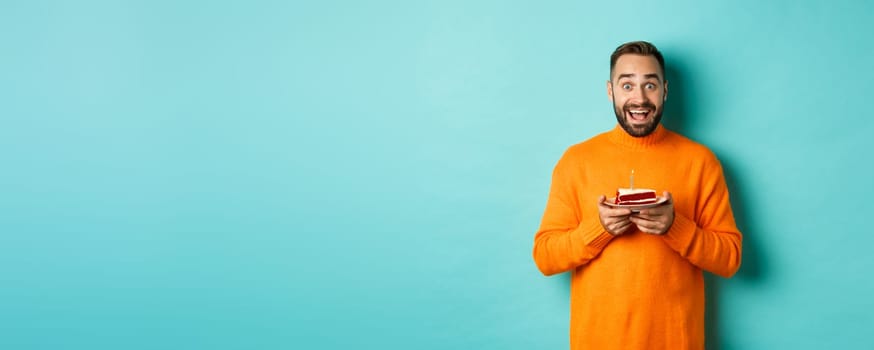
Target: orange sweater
636,290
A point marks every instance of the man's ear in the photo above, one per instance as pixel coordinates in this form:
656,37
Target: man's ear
666,91
610,90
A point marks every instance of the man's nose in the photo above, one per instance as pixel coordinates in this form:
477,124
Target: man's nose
639,95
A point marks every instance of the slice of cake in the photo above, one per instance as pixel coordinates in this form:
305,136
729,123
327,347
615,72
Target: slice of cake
628,196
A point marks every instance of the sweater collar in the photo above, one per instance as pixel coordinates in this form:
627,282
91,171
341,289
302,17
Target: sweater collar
622,138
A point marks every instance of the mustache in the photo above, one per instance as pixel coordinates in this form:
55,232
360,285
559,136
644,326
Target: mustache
639,105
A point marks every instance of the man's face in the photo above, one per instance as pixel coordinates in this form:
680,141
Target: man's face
638,91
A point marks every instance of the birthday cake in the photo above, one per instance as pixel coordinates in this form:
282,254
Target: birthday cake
628,196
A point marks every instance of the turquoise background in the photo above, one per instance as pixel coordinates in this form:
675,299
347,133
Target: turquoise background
339,174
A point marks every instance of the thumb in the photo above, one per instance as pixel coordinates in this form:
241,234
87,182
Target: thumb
601,199
667,195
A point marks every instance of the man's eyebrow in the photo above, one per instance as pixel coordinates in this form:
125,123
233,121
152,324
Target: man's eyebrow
645,76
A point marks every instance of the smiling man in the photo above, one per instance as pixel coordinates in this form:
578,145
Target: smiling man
637,273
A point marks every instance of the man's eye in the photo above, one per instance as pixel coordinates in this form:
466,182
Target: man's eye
650,86
626,86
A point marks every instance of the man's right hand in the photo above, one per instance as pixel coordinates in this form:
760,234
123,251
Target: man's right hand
614,220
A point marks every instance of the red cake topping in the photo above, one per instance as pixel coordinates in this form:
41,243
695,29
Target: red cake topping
635,196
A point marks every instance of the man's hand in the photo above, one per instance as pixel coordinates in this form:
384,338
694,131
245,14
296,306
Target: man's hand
615,220
655,220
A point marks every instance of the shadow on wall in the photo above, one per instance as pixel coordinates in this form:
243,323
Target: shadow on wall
752,268
676,117
682,114
676,108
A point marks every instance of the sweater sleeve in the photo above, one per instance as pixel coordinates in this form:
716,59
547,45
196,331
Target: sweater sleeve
567,238
711,241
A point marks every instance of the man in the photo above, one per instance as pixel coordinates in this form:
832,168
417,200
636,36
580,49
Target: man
636,276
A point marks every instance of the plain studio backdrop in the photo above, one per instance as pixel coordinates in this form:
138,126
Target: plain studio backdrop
370,174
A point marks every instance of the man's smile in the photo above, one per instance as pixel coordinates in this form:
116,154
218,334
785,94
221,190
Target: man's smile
638,114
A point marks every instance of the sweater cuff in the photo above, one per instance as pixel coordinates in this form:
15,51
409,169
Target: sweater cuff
679,237
593,235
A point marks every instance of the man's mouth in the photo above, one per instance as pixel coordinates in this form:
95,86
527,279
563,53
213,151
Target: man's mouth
638,114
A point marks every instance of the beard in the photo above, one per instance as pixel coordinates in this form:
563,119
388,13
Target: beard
638,130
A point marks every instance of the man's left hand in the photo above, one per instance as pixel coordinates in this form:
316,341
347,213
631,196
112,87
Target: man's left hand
655,220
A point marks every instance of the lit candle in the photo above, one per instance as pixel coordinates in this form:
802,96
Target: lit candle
632,179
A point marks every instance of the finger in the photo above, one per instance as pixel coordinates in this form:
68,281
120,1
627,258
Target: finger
624,227
618,213
621,227
602,203
645,226
648,230
624,220
670,199
664,209
644,223
606,210
640,222
650,226
648,214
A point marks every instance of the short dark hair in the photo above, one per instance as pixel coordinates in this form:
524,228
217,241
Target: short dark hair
642,48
